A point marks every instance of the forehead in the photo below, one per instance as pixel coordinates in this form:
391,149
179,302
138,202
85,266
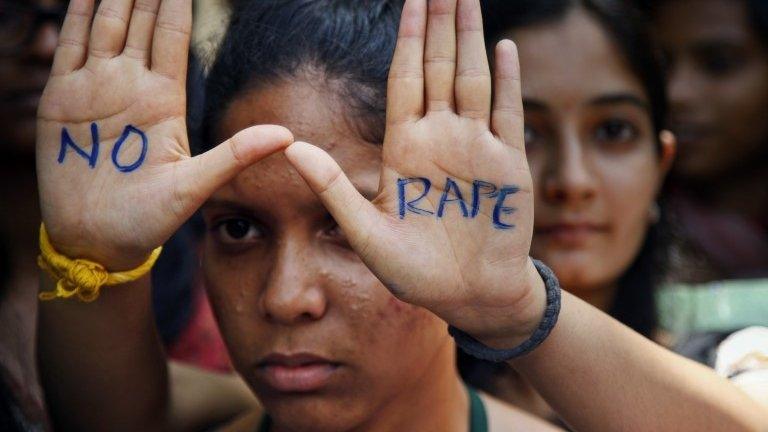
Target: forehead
690,21
314,114
572,59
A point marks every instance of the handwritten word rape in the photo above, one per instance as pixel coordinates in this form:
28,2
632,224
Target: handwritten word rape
67,142
452,195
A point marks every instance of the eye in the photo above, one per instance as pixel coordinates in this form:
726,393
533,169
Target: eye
616,131
335,233
720,63
531,136
237,231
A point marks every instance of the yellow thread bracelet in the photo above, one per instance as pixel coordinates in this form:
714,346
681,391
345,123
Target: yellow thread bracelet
80,277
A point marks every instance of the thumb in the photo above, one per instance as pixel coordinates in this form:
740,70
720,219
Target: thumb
202,175
356,216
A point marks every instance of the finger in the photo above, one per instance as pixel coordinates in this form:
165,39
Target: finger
507,120
110,27
73,39
405,88
141,30
199,177
355,215
170,44
440,54
473,76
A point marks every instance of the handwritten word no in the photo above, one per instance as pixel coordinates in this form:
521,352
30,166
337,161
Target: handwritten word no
452,194
92,157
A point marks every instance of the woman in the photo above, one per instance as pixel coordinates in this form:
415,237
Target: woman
717,54
334,328
594,113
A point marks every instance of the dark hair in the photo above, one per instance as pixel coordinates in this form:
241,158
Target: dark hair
757,10
350,43
758,14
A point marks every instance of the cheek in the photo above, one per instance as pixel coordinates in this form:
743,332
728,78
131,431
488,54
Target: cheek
232,286
629,195
744,105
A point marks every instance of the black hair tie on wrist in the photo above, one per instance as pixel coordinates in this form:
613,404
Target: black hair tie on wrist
481,351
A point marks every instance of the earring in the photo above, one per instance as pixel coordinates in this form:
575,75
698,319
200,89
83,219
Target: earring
654,213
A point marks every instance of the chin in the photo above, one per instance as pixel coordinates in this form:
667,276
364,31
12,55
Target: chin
312,413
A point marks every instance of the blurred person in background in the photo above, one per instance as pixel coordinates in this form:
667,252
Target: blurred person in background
717,60
595,109
28,40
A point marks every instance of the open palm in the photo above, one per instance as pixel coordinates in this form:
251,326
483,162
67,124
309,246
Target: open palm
462,248
114,165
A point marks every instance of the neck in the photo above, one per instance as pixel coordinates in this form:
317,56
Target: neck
742,191
436,402
600,297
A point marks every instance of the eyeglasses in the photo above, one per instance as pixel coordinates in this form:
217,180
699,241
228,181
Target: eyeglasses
20,22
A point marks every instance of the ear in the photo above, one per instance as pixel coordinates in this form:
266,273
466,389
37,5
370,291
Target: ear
668,152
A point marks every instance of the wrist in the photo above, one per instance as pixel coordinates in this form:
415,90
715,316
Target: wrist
76,244
512,329
497,348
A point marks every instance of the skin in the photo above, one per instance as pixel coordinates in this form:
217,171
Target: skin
288,281
718,87
486,286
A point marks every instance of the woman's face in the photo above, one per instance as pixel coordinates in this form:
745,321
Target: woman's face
718,85
591,148
315,334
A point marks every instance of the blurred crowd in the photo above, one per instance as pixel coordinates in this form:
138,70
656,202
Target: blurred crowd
686,264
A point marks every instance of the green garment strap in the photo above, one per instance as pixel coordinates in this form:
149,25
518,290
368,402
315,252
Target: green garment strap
478,419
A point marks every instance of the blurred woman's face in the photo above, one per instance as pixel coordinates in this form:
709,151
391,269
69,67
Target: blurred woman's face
592,152
315,334
718,85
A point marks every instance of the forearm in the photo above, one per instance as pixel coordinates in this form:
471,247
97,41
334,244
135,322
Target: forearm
600,375
102,364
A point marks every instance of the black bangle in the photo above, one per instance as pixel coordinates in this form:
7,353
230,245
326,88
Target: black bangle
478,350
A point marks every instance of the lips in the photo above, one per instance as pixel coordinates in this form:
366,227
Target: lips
296,373
571,234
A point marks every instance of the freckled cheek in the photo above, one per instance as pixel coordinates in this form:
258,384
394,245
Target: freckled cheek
233,285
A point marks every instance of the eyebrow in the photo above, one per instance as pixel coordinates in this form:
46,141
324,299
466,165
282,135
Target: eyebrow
226,204
239,207
608,99
621,98
534,105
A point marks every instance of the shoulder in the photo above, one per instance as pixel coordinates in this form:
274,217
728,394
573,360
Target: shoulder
503,417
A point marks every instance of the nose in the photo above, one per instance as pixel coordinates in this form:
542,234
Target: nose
44,43
295,290
682,87
568,176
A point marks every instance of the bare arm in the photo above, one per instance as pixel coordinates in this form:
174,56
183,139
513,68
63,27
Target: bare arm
601,376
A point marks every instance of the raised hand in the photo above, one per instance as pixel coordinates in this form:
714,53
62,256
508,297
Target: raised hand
451,228
114,167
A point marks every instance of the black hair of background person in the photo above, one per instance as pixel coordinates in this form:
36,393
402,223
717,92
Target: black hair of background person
757,12
350,43
634,303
